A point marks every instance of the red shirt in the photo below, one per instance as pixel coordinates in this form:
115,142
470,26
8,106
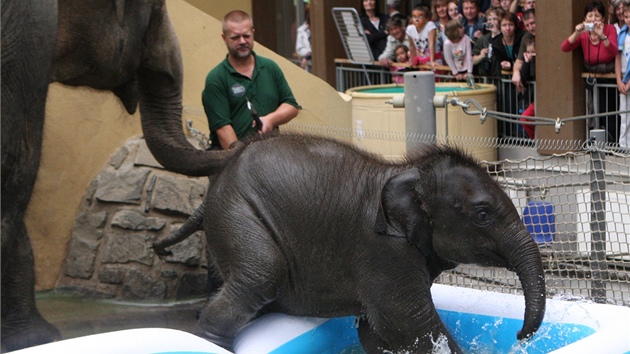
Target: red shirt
595,54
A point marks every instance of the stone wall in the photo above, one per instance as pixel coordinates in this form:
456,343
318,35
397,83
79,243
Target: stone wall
129,204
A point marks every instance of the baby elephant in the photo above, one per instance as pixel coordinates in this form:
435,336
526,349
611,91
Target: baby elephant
315,227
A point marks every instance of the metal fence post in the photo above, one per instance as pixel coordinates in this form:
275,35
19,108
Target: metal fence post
598,216
419,108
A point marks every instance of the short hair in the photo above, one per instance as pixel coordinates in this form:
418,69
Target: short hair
497,10
595,5
476,2
237,16
529,41
395,21
394,4
451,30
510,17
529,13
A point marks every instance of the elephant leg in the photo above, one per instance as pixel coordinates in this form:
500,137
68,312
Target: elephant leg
371,342
248,285
408,321
22,324
403,327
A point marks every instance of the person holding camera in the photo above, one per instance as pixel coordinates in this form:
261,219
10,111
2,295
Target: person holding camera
599,47
482,50
597,40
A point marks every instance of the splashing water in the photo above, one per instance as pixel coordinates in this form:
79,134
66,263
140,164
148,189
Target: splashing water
440,346
479,334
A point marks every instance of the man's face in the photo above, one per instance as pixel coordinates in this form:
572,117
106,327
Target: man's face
470,11
529,4
239,39
530,25
397,32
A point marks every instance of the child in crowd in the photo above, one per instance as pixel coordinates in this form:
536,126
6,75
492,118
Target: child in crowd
482,50
622,73
452,6
457,50
505,5
402,57
423,37
528,73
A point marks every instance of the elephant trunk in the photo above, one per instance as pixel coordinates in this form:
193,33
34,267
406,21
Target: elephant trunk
526,261
160,112
160,77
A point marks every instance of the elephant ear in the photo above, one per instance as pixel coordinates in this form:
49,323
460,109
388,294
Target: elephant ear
401,214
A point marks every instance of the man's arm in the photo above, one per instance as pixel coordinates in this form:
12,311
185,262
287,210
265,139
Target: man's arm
282,115
514,6
388,53
227,136
516,74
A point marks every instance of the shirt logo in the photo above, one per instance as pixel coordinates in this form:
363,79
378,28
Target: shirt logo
238,90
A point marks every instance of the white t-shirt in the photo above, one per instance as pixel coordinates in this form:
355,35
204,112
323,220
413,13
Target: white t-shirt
625,55
458,55
421,39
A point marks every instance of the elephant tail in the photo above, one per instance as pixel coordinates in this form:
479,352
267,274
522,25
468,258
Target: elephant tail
192,225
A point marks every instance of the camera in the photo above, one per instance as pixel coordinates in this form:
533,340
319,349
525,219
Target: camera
589,27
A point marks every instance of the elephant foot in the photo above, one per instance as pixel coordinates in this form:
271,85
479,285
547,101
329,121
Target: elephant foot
223,341
24,333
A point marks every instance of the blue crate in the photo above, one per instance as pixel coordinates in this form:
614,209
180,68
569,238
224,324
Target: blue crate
540,221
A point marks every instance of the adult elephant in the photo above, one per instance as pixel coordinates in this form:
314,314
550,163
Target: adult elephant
128,47
314,227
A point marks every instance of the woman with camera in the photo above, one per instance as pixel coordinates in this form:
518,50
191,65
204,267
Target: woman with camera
598,40
599,46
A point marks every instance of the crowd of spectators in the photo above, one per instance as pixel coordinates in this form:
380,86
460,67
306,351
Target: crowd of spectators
495,29
501,35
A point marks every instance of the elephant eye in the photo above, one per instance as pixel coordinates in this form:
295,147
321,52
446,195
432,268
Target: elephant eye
483,218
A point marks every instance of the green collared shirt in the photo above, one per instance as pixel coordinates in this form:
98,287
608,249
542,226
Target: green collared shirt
224,97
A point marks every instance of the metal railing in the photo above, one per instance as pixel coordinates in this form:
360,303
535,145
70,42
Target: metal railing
350,75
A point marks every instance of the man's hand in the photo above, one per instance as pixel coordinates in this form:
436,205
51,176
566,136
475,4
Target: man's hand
528,56
516,80
516,75
282,115
267,126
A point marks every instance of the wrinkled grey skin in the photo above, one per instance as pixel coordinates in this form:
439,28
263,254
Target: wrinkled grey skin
128,47
313,227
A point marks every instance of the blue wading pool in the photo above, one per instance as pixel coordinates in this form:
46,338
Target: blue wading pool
480,322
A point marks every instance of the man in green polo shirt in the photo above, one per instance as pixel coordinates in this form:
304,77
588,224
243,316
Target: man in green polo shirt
244,76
